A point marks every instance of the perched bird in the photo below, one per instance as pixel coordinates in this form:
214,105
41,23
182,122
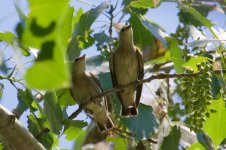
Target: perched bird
84,86
126,66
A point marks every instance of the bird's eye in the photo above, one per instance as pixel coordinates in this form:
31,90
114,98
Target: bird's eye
123,29
76,59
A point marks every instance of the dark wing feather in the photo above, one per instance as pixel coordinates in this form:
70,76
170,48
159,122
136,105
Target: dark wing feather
140,75
98,83
113,77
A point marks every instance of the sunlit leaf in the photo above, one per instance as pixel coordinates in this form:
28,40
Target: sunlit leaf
73,128
191,64
196,146
196,15
65,98
119,143
175,54
79,140
214,126
7,37
143,3
53,112
201,43
81,28
50,34
172,140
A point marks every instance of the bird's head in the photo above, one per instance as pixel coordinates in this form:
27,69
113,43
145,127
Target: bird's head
126,33
79,64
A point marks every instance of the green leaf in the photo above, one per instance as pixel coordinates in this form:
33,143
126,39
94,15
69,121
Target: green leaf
142,36
142,125
196,146
80,140
53,112
76,18
35,126
196,15
50,34
25,99
73,128
215,86
1,90
7,37
65,98
214,126
172,140
119,143
175,54
81,28
102,38
191,64
142,3
156,30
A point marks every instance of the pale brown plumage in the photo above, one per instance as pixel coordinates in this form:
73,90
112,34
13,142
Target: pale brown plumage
84,86
126,66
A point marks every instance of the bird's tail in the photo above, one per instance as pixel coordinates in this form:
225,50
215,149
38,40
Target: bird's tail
107,126
130,111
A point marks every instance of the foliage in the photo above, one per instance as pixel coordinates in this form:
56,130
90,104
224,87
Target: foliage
197,100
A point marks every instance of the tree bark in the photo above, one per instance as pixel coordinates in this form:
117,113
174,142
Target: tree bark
14,135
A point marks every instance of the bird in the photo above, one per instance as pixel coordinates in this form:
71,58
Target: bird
127,66
84,86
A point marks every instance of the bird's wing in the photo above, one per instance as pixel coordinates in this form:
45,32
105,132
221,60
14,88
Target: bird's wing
99,85
113,76
140,75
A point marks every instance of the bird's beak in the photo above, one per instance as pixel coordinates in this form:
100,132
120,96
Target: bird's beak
129,26
83,56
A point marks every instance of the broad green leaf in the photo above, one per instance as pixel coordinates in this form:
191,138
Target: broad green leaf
35,126
53,112
76,18
65,98
25,99
142,125
156,30
142,36
80,140
119,143
191,64
50,34
196,146
215,86
102,38
73,128
175,54
214,126
143,3
7,37
82,29
201,43
172,140
1,146
196,15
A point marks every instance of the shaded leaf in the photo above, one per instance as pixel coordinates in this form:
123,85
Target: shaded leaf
34,127
142,125
25,99
215,86
191,64
156,30
196,15
102,38
214,126
201,43
175,54
1,90
81,28
53,112
172,140
7,37
142,36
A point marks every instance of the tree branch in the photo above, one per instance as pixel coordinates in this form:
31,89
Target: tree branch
15,136
113,90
